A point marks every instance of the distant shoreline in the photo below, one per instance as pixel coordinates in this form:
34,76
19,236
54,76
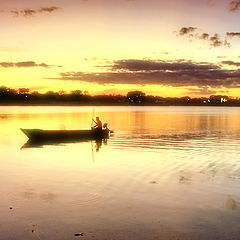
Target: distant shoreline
23,97
114,105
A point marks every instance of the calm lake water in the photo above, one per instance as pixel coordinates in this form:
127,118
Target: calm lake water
166,173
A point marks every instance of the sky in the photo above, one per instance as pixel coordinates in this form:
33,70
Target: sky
168,48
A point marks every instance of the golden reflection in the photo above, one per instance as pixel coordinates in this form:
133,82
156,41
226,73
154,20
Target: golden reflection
161,119
40,144
161,164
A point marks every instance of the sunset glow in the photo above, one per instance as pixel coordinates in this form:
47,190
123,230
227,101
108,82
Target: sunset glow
166,48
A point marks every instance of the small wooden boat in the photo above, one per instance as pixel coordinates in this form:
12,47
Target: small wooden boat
43,135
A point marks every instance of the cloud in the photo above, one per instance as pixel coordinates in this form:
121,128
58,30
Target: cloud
234,6
23,64
49,9
201,91
215,40
186,30
151,65
179,73
233,34
204,36
31,12
24,12
231,63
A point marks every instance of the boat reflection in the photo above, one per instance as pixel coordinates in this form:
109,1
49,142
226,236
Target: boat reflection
55,142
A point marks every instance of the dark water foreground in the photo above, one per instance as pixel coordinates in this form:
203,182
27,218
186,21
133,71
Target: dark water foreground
167,173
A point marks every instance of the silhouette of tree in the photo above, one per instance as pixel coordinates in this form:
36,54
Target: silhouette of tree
76,92
35,93
23,91
62,92
78,97
7,94
5,91
136,96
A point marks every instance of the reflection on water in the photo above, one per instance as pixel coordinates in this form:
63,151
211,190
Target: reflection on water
43,143
167,173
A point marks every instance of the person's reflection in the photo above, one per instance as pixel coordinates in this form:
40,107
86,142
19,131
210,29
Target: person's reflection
98,145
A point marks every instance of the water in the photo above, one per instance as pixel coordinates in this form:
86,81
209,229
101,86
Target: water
166,173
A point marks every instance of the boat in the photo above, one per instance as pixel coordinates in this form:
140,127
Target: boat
65,135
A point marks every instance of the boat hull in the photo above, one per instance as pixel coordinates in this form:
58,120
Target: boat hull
40,134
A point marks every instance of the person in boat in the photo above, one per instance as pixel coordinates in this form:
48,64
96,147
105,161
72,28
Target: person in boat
98,124
105,127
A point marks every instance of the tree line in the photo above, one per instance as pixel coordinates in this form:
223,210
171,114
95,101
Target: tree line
23,96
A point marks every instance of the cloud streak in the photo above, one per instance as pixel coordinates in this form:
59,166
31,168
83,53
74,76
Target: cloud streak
24,64
179,73
233,34
135,65
201,91
231,63
31,12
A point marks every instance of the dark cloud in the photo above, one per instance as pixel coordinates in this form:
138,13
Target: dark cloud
23,64
24,12
215,40
150,65
231,63
234,6
31,12
204,36
233,34
186,30
48,9
172,73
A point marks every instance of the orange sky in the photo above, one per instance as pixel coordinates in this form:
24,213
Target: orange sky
167,48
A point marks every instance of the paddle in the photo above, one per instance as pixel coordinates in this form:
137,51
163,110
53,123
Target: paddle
91,140
92,117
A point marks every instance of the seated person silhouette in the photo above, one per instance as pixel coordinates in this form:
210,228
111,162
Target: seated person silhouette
105,126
